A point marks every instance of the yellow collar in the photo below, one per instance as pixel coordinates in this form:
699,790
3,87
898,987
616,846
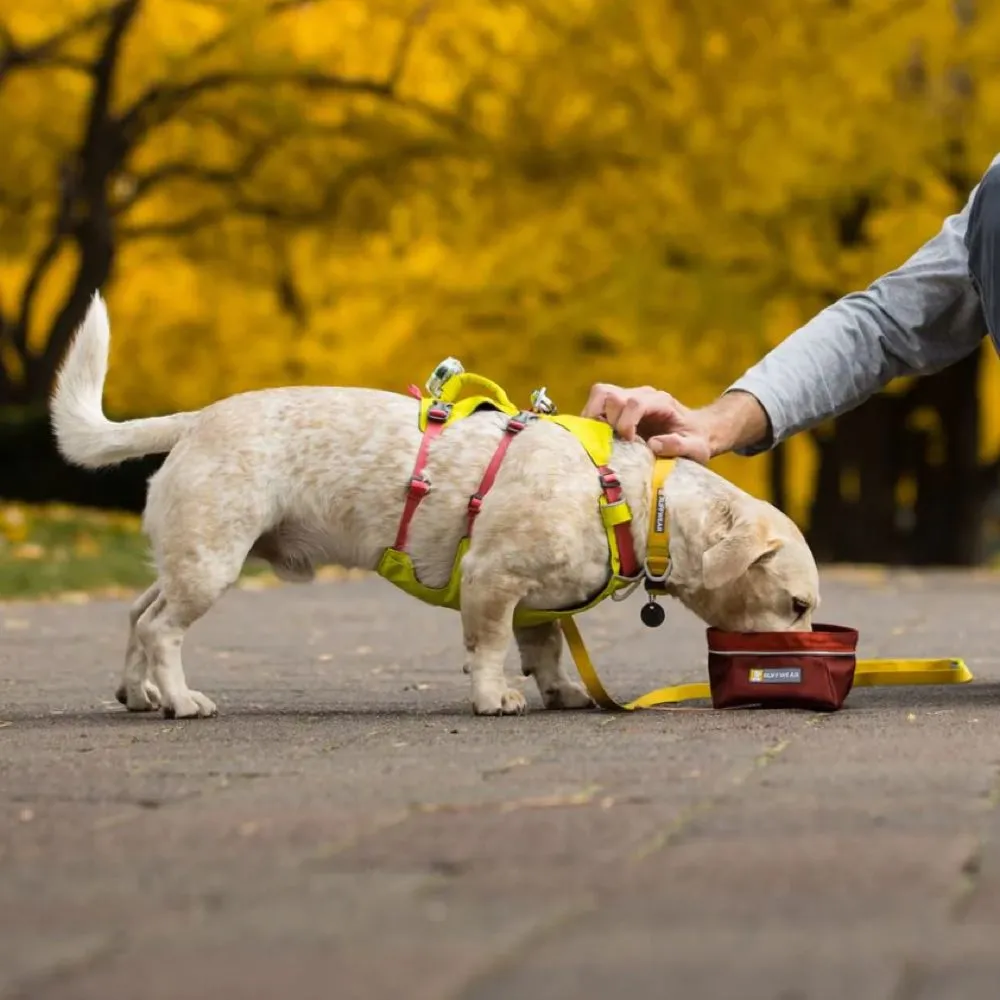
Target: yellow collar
657,564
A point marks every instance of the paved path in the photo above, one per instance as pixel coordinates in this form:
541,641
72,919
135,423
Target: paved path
347,830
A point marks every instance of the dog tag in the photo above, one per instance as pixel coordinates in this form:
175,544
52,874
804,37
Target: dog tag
652,614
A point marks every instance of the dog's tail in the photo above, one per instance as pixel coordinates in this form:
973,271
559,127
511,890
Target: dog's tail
84,435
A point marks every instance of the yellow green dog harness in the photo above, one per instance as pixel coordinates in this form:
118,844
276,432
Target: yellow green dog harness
442,408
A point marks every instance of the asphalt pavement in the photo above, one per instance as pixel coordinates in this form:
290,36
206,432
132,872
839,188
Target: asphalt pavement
346,829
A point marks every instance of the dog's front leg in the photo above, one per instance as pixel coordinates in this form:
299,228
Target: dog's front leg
541,647
487,621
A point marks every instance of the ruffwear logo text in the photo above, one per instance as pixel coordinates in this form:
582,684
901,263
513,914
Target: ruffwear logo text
661,511
776,675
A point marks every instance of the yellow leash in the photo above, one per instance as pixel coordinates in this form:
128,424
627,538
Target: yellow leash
868,673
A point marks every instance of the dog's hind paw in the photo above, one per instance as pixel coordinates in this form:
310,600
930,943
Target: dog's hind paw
141,697
190,705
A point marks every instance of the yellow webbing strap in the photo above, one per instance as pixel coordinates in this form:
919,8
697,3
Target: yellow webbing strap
658,540
868,673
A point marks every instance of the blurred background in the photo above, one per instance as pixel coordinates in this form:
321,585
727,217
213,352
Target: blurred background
555,191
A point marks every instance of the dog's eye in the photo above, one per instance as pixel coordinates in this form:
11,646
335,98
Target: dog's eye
799,606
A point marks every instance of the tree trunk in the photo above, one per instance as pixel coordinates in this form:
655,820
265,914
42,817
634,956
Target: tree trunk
947,527
876,446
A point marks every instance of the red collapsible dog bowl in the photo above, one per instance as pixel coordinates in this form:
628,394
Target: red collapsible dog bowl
812,670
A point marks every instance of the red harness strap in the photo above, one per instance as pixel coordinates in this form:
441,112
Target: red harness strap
419,486
614,494
514,427
610,485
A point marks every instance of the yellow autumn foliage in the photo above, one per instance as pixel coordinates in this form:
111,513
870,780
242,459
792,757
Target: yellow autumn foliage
556,191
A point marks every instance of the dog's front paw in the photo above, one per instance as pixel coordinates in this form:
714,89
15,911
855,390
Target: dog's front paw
190,705
141,697
508,702
567,696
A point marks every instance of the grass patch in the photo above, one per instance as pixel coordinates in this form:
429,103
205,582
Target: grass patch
52,550
59,551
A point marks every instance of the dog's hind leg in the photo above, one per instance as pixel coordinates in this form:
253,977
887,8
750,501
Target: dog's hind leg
189,585
136,691
540,647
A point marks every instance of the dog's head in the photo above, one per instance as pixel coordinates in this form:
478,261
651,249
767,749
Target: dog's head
757,574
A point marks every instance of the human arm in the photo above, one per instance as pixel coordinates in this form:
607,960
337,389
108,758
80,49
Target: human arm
915,320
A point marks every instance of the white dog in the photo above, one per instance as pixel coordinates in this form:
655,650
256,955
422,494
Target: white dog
307,476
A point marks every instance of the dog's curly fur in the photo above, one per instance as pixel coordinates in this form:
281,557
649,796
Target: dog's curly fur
306,476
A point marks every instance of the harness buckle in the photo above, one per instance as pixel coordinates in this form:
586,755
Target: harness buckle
610,481
438,413
654,578
419,487
475,504
517,423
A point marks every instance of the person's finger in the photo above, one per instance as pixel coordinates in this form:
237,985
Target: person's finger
680,446
594,407
627,423
614,405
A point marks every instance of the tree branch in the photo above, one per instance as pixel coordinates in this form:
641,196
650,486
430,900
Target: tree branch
414,21
160,102
16,56
100,157
182,170
61,226
187,226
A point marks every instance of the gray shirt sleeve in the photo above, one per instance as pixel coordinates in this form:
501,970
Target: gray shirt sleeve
915,320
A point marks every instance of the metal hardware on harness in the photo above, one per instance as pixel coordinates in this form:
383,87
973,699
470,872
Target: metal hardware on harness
652,613
445,371
540,402
653,578
438,413
627,591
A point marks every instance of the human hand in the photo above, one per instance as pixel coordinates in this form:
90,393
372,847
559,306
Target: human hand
671,429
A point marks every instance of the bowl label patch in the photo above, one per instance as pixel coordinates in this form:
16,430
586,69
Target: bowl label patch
776,675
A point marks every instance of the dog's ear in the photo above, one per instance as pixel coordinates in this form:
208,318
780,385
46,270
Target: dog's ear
746,541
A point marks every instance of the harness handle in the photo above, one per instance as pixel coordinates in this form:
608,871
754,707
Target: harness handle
461,383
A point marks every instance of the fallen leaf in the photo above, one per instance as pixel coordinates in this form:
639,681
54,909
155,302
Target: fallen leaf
85,546
74,597
13,523
29,551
